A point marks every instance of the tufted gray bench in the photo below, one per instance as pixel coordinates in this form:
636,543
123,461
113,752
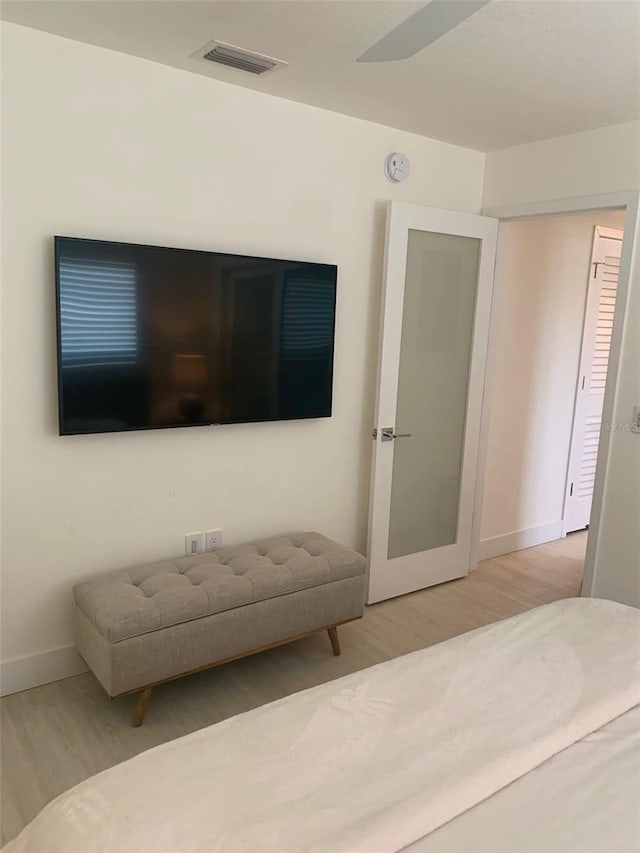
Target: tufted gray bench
144,626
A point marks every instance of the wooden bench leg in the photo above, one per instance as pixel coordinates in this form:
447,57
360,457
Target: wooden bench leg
141,708
335,640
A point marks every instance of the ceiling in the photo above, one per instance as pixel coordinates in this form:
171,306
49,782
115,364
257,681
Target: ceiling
515,72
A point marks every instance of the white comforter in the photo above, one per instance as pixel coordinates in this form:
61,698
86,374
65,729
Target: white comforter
583,800
370,762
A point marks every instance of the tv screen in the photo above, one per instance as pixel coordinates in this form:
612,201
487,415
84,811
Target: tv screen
152,337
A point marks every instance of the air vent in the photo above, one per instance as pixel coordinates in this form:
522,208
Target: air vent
238,58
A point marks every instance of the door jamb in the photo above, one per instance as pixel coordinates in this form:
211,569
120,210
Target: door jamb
630,203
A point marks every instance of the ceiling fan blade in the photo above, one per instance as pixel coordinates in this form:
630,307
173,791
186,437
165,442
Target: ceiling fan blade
421,29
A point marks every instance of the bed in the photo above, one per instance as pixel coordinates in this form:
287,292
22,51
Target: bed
520,736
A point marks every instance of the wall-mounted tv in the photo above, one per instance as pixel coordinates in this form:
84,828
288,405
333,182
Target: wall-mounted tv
152,337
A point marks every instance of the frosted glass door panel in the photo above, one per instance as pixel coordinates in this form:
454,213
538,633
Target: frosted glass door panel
435,355
434,332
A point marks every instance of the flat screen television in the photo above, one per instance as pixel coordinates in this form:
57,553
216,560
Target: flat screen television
152,337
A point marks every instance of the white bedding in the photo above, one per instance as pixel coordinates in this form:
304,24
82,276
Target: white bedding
583,800
379,759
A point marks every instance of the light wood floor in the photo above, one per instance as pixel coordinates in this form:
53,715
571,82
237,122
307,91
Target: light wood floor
59,734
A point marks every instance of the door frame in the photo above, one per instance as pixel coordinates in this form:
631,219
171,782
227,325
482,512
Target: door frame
612,234
630,203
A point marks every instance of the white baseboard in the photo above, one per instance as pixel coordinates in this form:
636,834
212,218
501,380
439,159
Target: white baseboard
519,539
33,670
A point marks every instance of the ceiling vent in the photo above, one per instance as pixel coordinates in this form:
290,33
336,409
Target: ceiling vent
238,58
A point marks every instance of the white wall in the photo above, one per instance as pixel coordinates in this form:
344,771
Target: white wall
539,301
99,144
597,161
602,161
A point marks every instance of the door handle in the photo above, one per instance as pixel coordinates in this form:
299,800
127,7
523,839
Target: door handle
387,434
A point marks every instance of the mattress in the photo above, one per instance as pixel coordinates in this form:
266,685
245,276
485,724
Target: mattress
451,745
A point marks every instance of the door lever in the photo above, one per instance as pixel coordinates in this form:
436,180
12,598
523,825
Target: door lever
387,434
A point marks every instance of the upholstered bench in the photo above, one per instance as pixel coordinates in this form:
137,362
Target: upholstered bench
141,627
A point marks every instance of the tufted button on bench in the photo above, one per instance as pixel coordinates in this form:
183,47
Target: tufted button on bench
144,626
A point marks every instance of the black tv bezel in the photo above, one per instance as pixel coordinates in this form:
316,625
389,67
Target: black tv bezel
58,238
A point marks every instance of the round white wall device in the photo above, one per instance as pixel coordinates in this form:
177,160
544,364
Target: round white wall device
396,167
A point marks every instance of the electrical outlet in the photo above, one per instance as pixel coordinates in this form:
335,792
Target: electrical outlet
213,540
192,544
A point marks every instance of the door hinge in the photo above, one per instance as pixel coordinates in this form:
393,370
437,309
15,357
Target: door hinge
596,264
583,378
571,490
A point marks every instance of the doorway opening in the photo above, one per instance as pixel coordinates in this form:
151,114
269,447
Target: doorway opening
553,310
500,459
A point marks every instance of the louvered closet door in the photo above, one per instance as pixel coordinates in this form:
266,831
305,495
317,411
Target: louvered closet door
594,362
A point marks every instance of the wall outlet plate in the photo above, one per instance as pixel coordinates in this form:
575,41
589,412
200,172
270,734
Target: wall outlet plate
192,544
213,540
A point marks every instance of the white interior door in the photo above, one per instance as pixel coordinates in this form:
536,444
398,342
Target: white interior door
436,308
594,362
